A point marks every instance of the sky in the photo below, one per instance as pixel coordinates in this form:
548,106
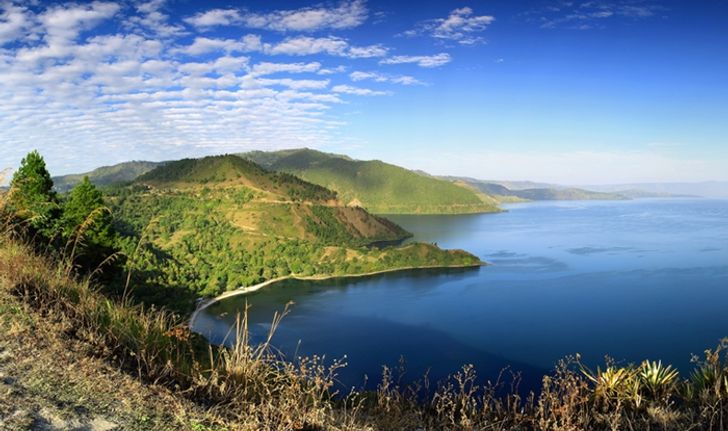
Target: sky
571,92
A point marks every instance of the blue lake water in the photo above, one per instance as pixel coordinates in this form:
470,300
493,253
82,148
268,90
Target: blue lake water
629,279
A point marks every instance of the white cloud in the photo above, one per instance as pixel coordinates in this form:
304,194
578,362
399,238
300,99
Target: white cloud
215,17
152,20
333,70
292,46
347,14
358,91
143,98
461,26
296,84
13,23
304,45
266,68
381,77
367,51
428,61
64,23
204,45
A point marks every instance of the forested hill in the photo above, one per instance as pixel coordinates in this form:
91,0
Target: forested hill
377,186
217,223
106,175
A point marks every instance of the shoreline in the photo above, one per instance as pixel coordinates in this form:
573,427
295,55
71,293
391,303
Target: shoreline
254,288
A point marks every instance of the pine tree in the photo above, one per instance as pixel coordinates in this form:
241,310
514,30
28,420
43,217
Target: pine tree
32,197
85,215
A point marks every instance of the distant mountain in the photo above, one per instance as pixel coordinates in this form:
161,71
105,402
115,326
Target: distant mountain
106,175
546,191
709,189
377,186
570,194
642,194
552,193
524,185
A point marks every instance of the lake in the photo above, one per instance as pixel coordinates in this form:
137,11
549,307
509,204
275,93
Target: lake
629,279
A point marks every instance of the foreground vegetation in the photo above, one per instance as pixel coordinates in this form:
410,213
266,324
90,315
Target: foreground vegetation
180,382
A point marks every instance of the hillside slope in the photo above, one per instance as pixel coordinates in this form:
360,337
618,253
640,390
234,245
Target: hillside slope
377,186
218,223
106,175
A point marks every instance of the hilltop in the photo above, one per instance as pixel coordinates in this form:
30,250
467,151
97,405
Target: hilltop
379,187
106,175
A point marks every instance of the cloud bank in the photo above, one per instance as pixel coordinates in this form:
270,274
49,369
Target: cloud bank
112,80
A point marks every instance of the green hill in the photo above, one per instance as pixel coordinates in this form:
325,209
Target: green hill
106,175
377,186
218,223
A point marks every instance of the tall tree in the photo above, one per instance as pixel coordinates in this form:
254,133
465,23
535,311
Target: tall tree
32,197
85,216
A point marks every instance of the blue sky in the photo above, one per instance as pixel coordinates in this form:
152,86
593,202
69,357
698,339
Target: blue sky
561,91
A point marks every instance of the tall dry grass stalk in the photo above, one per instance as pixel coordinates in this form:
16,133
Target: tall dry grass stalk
126,295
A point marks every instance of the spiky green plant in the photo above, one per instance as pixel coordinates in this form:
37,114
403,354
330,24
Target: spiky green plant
659,380
612,383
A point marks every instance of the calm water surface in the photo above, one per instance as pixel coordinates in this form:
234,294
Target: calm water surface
634,280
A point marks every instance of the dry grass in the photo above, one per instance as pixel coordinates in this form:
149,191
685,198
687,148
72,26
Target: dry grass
49,380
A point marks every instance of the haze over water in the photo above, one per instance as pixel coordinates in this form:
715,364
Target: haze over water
631,279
